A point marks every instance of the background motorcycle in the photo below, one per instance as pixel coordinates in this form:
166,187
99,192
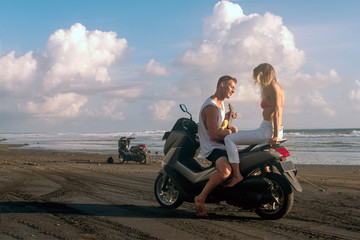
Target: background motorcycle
137,153
266,188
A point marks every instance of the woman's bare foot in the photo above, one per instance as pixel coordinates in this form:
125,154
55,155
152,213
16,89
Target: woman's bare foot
234,180
200,207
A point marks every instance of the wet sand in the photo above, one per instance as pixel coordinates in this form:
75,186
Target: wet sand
61,195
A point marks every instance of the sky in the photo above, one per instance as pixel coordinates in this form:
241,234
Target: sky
112,66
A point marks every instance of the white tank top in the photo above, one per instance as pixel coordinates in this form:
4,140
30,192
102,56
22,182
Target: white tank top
207,145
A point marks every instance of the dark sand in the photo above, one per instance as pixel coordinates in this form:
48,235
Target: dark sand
59,195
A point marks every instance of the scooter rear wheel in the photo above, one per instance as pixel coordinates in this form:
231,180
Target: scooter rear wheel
283,198
143,158
167,196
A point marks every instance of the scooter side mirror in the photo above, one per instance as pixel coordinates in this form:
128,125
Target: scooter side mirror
184,109
132,136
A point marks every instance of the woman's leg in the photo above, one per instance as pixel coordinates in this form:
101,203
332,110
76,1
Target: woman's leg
236,175
233,157
262,134
259,135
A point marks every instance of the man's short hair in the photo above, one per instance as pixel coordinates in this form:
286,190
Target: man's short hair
225,78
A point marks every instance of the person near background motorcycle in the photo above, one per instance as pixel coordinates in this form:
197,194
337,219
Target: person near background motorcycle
270,129
211,116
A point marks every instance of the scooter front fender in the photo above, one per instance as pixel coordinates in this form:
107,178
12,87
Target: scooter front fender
165,178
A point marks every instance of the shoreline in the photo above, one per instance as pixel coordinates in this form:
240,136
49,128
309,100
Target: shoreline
114,153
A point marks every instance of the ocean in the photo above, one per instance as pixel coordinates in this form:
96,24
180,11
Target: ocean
306,146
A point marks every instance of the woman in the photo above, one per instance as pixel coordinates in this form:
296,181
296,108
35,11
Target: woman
270,129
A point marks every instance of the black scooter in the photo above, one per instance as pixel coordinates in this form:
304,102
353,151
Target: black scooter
266,188
137,153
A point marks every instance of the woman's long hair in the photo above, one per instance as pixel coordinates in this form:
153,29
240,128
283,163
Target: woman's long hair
264,75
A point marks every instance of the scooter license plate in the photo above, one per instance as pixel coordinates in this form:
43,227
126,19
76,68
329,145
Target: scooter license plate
287,166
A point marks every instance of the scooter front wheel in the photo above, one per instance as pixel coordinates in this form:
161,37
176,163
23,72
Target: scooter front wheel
166,193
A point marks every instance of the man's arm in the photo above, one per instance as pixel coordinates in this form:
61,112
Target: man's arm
210,116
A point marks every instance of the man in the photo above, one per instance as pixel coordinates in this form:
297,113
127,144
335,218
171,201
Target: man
211,136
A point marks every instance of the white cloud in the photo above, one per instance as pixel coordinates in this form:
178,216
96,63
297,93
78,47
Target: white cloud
74,58
153,69
110,110
75,65
128,92
241,41
234,43
81,56
61,105
160,109
354,94
306,81
224,15
293,105
246,92
17,73
316,99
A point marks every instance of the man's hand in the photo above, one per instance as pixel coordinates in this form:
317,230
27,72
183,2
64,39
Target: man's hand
233,129
234,115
